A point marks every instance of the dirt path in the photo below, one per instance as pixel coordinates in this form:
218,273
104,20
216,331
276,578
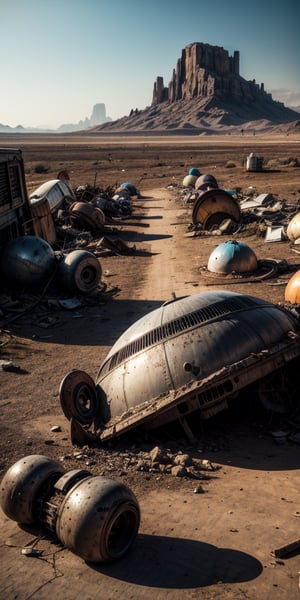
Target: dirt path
211,545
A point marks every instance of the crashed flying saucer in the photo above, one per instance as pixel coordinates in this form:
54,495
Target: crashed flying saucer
187,356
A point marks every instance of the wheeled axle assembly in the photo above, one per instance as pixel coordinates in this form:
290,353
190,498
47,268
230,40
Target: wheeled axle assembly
93,516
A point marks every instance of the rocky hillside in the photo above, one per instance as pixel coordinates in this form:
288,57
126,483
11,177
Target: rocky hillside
206,94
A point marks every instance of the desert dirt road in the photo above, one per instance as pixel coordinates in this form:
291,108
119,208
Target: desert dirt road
216,544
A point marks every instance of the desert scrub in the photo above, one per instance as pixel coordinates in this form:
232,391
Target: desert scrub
230,164
283,162
41,168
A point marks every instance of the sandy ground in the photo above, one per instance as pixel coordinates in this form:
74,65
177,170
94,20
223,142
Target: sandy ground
211,545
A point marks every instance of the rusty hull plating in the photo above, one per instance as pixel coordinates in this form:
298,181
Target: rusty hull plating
188,355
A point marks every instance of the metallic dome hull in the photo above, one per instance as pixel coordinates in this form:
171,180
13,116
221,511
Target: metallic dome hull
232,256
190,354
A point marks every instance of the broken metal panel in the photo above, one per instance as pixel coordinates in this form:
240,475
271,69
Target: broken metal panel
43,224
275,233
257,202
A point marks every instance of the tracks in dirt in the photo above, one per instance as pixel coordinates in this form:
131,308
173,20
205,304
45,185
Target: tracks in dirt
172,269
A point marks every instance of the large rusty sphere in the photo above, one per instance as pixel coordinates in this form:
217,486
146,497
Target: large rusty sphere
189,181
27,261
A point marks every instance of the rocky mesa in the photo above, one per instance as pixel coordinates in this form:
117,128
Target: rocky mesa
206,94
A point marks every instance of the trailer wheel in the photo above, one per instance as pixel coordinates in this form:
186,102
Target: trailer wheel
21,484
99,519
80,271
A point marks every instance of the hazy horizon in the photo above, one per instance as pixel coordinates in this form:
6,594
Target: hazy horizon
61,57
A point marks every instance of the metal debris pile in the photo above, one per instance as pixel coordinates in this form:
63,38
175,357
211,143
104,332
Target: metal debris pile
234,212
59,266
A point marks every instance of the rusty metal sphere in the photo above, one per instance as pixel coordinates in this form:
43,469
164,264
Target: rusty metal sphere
87,215
130,187
232,256
27,261
206,181
292,290
195,172
189,181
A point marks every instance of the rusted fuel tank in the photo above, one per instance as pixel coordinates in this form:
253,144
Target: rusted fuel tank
187,356
214,206
95,517
87,215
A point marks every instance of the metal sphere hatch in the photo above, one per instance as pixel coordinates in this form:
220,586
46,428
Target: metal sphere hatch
232,256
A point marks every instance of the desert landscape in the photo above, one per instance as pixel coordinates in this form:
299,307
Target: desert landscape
210,536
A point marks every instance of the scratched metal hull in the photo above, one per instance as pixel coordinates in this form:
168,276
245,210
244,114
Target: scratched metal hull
190,354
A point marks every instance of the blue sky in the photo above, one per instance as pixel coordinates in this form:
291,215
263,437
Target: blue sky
60,57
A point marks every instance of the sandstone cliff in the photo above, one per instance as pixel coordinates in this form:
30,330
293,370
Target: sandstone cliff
206,94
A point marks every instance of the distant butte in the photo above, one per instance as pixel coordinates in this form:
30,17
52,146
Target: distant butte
206,94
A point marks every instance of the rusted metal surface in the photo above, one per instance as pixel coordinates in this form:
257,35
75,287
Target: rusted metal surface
88,215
